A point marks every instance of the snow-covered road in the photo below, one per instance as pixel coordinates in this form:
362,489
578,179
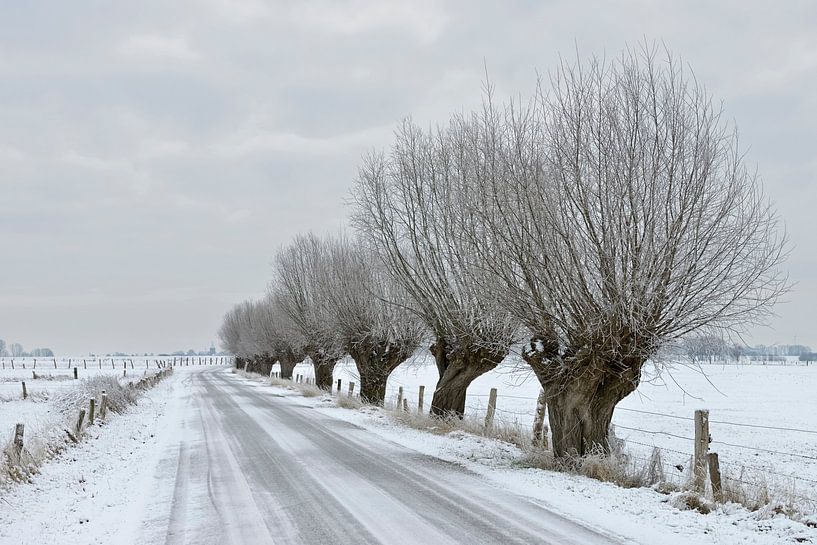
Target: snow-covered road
241,465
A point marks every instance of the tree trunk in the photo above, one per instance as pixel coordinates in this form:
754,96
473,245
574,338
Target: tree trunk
581,391
324,366
374,365
287,366
458,367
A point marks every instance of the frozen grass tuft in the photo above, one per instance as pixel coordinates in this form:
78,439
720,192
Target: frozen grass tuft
119,396
688,500
282,382
349,402
309,390
509,432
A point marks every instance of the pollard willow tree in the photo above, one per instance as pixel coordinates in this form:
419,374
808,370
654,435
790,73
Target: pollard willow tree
237,333
298,292
368,313
410,206
230,331
260,334
285,339
274,338
626,219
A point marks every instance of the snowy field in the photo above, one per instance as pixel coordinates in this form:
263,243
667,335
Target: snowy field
106,489
52,392
45,377
763,418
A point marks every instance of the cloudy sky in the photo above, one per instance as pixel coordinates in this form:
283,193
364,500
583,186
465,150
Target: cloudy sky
154,154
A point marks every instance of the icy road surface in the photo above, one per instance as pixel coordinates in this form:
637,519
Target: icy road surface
243,465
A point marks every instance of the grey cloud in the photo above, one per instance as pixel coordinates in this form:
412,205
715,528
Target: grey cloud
153,155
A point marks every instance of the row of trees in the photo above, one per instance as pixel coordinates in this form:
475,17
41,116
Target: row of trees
607,216
16,350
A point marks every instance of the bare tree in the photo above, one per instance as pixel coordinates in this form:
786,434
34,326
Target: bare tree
412,206
235,332
259,334
297,290
626,219
279,338
368,313
2,347
16,350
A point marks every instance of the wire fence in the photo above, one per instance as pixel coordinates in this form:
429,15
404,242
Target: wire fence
755,466
768,479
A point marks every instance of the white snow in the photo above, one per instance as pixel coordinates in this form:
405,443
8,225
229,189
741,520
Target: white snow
101,490
86,493
642,515
737,396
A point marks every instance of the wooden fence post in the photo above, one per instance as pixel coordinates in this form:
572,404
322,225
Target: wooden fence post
103,406
80,419
338,386
715,476
25,392
19,430
489,414
701,448
420,399
75,373
351,389
539,421
405,405
399,397
91,409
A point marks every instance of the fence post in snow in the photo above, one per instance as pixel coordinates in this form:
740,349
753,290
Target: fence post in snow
489,415
75,373
420,399
103,406
19,430
539,422
351,389
715,476
25,393
84,364
80,419
405,405
399,397
91,408
701,448
338,386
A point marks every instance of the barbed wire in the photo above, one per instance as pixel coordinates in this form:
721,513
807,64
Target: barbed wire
758,426
805,456
618,426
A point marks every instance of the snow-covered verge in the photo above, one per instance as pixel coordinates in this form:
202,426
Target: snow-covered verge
79,496
642,514
763,418
50,416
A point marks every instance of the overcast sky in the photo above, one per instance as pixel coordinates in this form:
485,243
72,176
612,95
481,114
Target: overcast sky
154,154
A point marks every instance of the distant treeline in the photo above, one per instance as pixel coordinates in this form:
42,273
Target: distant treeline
16,350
